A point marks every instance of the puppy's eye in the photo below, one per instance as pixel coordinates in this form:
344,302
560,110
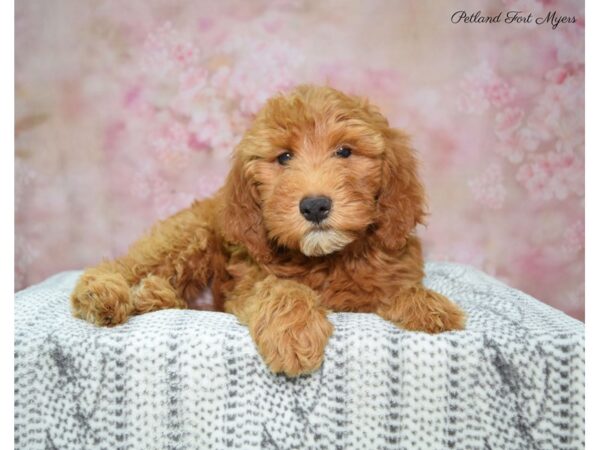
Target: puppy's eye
284,158
343,152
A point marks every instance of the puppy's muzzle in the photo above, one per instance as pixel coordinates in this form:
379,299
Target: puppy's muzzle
315,209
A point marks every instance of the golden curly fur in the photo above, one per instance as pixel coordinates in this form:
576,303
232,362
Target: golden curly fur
277,271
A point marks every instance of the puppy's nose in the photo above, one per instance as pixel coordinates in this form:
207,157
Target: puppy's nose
315,209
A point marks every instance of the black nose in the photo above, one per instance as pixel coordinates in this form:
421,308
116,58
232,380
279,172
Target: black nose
315,209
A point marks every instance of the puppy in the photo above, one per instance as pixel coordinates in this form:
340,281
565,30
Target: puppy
317,214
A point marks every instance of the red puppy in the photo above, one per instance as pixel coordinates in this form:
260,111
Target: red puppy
316,215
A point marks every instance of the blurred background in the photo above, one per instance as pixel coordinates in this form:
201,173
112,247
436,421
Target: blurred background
127,111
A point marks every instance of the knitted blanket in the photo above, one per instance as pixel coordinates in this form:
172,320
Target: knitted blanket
514,379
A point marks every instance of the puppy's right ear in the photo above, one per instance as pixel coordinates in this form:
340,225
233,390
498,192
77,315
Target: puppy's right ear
239,216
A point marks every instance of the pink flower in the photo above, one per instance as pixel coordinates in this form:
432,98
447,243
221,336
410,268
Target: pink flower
511,151
482,87
167,52
211,127
141,184
169,142
528,139
472,101
193,86
263,68
552,175
570,44
559,110
499,92
193,80
507,122
183,53
220,78
488,188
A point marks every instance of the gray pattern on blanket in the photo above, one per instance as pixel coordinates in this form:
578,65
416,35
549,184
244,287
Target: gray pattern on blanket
187,379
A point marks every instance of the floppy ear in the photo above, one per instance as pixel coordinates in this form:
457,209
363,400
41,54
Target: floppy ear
401,200
240,218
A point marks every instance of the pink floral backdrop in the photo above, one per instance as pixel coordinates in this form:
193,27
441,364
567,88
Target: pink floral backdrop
128,110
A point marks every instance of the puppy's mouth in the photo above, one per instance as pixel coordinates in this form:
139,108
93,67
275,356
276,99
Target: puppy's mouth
320,241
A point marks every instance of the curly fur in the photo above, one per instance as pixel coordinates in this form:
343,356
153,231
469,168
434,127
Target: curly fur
265,263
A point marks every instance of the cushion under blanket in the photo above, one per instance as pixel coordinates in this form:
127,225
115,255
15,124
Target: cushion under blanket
175,379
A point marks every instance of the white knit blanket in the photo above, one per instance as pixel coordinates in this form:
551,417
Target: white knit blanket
193,380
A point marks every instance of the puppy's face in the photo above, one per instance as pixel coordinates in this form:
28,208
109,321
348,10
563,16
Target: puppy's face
317,170
315,159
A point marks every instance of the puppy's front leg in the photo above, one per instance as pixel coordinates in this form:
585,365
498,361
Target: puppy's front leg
164,269
286,321
420,309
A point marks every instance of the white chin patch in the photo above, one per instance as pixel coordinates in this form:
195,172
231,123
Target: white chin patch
324,242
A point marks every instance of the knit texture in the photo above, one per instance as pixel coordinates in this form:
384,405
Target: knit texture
173,379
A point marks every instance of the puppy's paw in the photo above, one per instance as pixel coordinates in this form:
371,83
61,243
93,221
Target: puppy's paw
420,309
154,293
295,350
102,298
292,335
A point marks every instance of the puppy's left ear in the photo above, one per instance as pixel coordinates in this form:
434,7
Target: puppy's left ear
401,200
